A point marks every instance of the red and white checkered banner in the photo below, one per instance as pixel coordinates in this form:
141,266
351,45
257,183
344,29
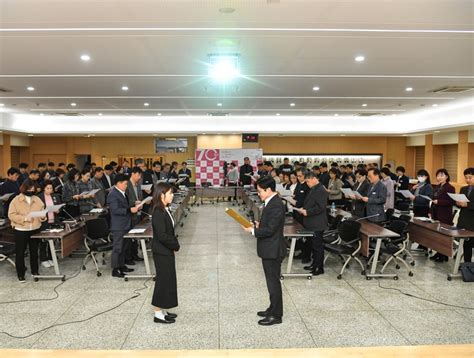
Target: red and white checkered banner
210,163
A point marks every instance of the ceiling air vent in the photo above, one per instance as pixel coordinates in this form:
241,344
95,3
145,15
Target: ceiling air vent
367,114
217,114
452,89
69,114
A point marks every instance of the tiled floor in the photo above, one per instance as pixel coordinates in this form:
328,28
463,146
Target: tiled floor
221,286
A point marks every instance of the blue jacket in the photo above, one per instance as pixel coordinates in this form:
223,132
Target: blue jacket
120,215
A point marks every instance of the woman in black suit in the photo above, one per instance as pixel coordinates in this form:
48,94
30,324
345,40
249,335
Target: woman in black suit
164,246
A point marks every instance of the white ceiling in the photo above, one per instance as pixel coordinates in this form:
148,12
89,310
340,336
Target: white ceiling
159,49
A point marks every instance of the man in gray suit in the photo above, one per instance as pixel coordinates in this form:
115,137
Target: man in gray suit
376,197
315,219
96,183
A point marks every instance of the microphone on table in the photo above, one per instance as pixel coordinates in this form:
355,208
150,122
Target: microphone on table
368,217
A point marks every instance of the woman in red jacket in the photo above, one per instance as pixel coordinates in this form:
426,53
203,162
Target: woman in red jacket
442,205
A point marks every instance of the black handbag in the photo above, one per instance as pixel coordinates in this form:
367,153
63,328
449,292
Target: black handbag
467,271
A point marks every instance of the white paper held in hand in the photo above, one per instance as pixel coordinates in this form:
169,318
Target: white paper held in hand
37,214
459,197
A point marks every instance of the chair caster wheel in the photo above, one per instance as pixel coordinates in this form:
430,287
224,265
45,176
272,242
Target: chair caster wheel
63,279
395,278
310,277
36,279
410,274
362,273
449,278
397,267
99,274
368,278
103,263
339,277
83,267
282,278
126,279
412,263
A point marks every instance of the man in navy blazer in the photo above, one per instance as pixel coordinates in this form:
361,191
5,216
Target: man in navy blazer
271,247
120,223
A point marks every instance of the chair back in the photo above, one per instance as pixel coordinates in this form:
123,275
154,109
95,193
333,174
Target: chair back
348,230
97,229
398,226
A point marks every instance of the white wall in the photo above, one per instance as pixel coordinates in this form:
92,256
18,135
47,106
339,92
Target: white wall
446,138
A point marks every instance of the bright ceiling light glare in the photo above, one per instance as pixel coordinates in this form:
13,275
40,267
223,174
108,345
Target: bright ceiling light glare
85,58
41,114
99,114
437,131
434,105
30,135
2,104
73,104
125,88
359,58
30,88
219,104
158,114
277,114
409,89
223,68
292,104
146,104
336,115
315,88
364,105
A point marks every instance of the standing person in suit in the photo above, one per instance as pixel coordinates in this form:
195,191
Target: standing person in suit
246,168
126,167
271,247
232,178
71,193
392,176
376,196
120,223
108,179
421,206
48,198
286,167
58,182
300,193
156,172
135,196
146,179
388,182
362,186
185,171
334,187
466,216
10,186
315,219
23,173
402,181
442,205
97,183
324,175
164,246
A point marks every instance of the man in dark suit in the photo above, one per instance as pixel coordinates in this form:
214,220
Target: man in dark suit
184,172
315,219
108,179
466,216
120,223
376,197
245,169
299,195
271,247
324,176
10,186
135,196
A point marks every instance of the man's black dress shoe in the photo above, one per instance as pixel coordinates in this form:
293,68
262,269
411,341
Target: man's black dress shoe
117,273
269,321
126,269
170,315
317,271
165,321
265,313
130,262
309,268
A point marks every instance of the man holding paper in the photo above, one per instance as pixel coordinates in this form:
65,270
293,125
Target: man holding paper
466,216
271,247
135,196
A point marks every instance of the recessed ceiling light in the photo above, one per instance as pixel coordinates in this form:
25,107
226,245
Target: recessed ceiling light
359,58
30,135
158,114
343,135
437,131
315,88
336,115
226,10
409,89
30,88
85,58
100,114
146,104
364,105
219,104
434,105
124,88
394,115
73,104
2,104
41,114
405,135
292,104
278,114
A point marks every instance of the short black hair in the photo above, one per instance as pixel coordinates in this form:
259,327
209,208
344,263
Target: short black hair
334,171
34,171
72,174
41,165
156,162
375,170
46,183
469,171
113,163
385,170
108,167
388,165
310,175
323,165
259,164
246,158
362,172
70,166
120,178
93,164
85,171
334,164
137,170
424,173
266,182
61,164
98,170
400,169
286,158
59,171
23,166
315,167
50,164
13,170
445,172
183,163
350,166
139,161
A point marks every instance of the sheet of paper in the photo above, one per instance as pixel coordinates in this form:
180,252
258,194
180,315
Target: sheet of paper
459,197
425,197
147,187
5,197
97,210
93,192
146,200
171,180
357,194
347,192
406,193
290,200
137,231
54,208
38,214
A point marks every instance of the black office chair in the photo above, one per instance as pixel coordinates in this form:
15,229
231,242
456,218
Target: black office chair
97,241
396,247
7,249
349,246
